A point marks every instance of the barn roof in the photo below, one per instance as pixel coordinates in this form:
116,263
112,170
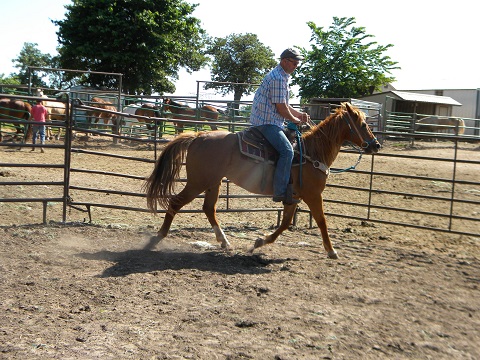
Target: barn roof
425,98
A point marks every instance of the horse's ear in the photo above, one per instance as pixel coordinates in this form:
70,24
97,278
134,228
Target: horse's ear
346,106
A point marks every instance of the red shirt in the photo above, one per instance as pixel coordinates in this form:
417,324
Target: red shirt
39,113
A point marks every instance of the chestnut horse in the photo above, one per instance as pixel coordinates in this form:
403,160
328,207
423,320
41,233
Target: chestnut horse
210,156
150,110
12,109
94,116
183,112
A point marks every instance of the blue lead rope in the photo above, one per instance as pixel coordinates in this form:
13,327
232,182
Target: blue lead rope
353,167
298,134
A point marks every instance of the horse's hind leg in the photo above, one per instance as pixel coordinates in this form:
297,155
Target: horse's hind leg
209,208
288,212
48,133
176,203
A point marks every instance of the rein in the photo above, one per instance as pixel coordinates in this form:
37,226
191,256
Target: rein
298,134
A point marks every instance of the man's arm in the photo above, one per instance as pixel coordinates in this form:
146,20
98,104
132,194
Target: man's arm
290,114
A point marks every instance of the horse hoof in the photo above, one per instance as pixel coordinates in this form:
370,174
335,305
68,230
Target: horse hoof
226,247
332,255
259,242
154,240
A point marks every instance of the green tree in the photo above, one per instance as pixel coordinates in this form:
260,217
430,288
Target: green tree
12,79
238,61
342,62
60,79
146,40
31,56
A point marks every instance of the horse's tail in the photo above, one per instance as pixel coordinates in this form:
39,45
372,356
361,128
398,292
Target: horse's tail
461,126
28,111
160,185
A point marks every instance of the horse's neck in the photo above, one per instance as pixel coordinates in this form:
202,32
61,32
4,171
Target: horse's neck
324,143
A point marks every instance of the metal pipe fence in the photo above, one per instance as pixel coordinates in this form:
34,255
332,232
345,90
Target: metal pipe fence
356,194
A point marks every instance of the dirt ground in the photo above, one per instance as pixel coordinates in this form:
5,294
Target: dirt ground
92,291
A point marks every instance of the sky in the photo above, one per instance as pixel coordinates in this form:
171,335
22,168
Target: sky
434,42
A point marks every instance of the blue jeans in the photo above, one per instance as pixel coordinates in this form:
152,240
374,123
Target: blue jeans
38,129
279,141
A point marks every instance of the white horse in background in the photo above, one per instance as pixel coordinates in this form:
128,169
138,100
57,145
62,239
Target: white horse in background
130,109
56,111
437,124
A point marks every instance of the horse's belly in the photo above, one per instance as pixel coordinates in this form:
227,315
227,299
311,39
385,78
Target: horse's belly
252,176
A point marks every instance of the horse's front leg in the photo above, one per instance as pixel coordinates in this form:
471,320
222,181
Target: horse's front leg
316,208
288,212
178,128
210,209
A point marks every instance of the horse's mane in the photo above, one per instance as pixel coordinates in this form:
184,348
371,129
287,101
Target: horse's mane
322,141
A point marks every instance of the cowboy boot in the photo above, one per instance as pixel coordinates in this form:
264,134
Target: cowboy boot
289,200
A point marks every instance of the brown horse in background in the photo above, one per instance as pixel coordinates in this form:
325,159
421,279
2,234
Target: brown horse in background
211,156
183,112
149,110
12,109
94,116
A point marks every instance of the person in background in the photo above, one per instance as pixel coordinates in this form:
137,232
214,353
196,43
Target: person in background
270,109
39,114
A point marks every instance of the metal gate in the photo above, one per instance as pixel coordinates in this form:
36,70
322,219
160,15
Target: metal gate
362,201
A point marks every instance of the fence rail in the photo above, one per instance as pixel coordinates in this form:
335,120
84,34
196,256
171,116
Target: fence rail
362,201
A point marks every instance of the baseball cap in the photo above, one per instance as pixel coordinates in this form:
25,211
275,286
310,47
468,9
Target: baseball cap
291,54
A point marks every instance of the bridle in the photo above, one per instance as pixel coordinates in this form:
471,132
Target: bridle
365,144
354,128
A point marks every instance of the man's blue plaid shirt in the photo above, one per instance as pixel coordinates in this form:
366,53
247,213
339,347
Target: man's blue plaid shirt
273,89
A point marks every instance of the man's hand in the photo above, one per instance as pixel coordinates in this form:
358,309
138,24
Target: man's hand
304,117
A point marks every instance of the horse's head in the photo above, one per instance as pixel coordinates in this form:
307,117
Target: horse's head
359,131
166,104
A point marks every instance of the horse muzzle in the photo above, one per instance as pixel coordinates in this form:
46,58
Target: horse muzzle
371,146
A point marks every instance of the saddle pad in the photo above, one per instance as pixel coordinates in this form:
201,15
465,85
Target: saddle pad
254,145
258,149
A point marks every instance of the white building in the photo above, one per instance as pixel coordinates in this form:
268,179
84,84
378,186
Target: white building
469,98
